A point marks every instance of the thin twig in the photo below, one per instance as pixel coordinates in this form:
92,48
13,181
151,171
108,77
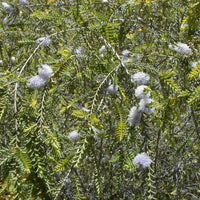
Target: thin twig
197,129
115,69
16,84
25,64
63,183
97,91
41,109
116,54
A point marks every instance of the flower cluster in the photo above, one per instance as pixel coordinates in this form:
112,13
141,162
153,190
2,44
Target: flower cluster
144,105
74,136
140,78
134,116
181,48
142,92
40,80
143,160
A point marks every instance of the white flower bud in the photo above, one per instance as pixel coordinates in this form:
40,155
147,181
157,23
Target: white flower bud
36,82
102,51
125,52
13,60
142,159
112,88
181,48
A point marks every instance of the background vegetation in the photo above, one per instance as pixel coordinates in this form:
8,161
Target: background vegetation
38,160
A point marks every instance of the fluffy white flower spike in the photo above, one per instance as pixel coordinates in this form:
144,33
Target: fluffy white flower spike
134,116
41,80
74,136
141,92
181,48
140,78
144,105
45,72
36,82
142,159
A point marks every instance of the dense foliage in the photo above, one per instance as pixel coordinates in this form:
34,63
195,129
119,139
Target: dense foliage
72,138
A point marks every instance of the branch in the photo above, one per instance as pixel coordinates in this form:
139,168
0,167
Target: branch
116,54
97,91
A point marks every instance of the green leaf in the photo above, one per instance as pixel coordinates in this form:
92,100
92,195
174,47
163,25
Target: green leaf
24,158
80,113
195,72
121,130
63,163
43,15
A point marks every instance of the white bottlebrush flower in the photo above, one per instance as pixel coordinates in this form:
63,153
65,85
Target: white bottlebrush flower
142,159
134,116
181,48
36,82
112,88
140,78
45,72
24,2
74,136
144,105
45,41
141,92
7,7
